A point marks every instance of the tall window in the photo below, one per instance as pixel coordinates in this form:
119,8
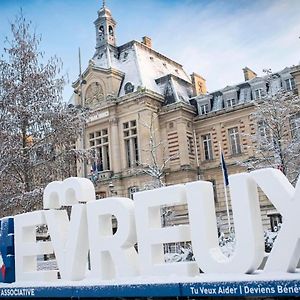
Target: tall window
290,84
264,132
207,147
99,144
295,125
234,140
131,143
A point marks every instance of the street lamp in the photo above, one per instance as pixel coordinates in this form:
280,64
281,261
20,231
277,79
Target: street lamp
111,188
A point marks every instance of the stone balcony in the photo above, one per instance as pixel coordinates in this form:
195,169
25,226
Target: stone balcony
100,176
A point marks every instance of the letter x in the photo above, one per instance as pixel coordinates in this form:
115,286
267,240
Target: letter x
286,199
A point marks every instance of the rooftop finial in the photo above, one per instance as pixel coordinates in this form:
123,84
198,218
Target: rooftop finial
103,3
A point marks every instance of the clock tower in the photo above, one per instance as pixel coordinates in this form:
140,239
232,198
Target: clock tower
105,28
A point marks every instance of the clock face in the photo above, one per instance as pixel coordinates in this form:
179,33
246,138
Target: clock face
94,94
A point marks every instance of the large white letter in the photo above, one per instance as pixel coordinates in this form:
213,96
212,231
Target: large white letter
69,238
68,192
27,249
286,250
112,255
249,249
151,236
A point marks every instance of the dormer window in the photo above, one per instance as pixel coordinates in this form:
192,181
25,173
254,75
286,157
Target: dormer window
258,93
204,109
231,102
245,95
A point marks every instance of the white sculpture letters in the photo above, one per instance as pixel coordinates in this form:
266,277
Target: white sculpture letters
113,255
151,236
249,250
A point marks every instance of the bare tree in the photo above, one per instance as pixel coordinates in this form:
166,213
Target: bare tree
277,139
37,129
154,166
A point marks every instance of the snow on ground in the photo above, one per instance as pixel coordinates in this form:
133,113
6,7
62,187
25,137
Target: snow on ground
43,265
172,278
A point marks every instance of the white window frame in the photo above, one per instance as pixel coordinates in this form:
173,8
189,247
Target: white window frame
234,140
131,143
99,142
258,93
231,102
207,146
204,109
264,131
290,84
132,190
295,126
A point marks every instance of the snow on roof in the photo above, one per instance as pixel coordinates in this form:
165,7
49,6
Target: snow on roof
142,66
285,72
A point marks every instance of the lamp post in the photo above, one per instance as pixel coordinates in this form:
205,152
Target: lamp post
111,188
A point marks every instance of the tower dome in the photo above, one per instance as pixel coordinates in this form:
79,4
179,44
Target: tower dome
105,28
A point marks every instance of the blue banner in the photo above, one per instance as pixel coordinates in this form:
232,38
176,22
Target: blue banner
7,249
198,289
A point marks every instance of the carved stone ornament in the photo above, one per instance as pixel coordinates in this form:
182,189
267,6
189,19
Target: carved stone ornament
94,94
111,98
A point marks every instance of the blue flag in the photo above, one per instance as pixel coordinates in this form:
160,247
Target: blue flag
224,169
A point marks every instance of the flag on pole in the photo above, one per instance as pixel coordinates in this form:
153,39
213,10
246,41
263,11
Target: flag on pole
226,183
224,170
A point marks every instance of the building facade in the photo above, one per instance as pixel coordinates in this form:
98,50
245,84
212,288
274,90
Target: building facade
146,111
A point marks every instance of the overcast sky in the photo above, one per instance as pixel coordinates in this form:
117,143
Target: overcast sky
215,38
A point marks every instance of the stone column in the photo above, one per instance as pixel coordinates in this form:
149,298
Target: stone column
115,145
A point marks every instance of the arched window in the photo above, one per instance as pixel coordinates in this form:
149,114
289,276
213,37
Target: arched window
111,31
101,30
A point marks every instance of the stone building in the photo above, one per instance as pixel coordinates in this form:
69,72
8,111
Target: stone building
131,86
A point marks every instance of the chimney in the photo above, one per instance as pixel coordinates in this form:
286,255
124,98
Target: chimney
199,84
147,41
249,74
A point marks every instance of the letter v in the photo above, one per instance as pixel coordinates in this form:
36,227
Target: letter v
286,199
69,240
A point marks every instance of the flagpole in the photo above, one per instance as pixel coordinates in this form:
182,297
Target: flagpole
225,189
